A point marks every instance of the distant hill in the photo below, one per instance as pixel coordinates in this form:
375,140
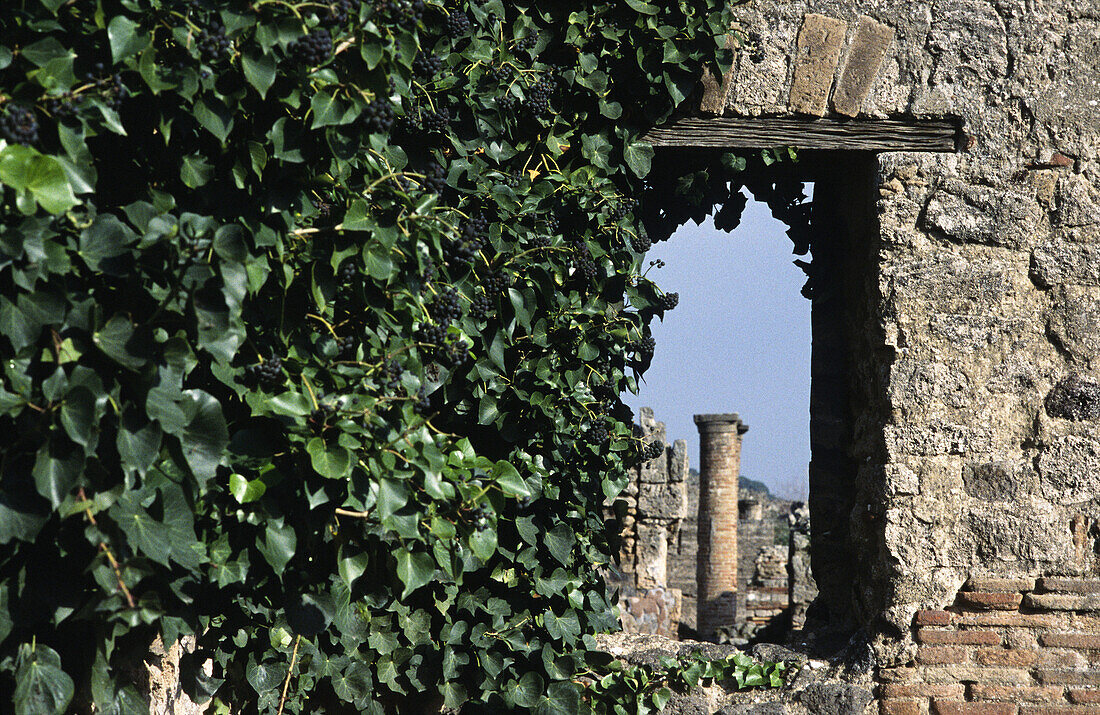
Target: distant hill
744,484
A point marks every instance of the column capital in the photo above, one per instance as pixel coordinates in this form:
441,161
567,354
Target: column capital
727,422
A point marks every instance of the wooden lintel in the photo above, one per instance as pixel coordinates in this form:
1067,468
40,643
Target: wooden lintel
874,135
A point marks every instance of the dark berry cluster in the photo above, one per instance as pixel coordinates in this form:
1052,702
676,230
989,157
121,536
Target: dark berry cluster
669,301
445,307
640,243
319,418
391,376
340,11
378,116
480,307
402,12
527,43
427,66
324,208
647,345
267,372
456,351
472,239
435,120
480,518
347,348
19,126
63,107
495,283
597,433
423,404
652,451
502,74
313,49
213,44
435,177
458,24
513,179
349,273
508,104
539,240
754,43
553,225
582,260
624,209
431,333
538,99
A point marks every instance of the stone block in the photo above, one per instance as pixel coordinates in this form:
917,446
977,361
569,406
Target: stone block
998,481
932,636
1069,469
932,618
678,462
991,601
662,501
983,215
1074,326
861,65
1058,262
949,707
651,554
1070,585
1006,657
1078,202
993,584
1080,641
1064,676
816,57
1007,693
1063,601
834,699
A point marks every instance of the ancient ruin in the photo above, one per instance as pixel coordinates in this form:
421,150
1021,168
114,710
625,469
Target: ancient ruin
955,477
761,547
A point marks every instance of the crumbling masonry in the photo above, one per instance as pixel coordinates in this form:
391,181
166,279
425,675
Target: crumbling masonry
955,407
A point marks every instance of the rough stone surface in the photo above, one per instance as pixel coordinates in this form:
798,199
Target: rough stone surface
813,687
1074,398
656,502
861,65
818,52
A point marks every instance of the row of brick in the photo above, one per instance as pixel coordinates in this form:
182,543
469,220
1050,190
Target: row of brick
1007,619
1023,585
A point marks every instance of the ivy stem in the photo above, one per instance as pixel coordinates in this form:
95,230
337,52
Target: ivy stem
118,571
289,673
353,514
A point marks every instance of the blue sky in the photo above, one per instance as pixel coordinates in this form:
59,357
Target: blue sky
739,341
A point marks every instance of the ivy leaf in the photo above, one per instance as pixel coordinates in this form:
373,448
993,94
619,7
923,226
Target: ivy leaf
144,533
639,157
245,490
41,686
138,441
415,569
278,546
355,684
206,436
124,38
483,542
559,541
561,698
259,70
330,461
78,416
265,677
58,466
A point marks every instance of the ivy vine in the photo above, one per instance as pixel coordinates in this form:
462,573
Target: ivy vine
314,320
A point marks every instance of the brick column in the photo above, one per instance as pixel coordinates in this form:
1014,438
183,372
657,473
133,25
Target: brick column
719,470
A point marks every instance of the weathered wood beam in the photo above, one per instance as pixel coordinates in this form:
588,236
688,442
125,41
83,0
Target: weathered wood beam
875,135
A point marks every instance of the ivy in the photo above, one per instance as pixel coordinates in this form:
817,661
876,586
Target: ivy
315,320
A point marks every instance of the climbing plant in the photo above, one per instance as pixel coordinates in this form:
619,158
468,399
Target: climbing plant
314,320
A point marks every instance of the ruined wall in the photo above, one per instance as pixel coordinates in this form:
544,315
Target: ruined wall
683,552
962,433
656,500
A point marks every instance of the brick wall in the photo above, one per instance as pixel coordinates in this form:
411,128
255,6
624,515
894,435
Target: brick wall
719,472
1006,647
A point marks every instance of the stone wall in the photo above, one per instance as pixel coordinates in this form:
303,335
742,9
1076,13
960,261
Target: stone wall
656,500
955,419
682,556
761,563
